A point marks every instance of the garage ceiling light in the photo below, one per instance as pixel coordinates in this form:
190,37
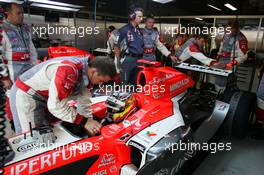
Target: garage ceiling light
163,1
209,5
12,1
54,7
56,3
200,19
230,7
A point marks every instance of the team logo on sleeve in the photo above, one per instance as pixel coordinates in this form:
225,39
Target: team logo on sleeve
70,81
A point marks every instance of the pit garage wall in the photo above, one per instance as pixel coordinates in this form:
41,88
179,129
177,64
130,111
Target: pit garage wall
88,41
39,21
83,42
252,27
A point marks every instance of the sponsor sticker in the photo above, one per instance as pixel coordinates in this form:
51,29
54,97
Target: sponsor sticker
107,159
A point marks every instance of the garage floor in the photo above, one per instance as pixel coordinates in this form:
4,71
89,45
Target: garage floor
245,158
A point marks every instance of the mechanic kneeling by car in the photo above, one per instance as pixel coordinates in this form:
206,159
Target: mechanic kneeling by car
47,87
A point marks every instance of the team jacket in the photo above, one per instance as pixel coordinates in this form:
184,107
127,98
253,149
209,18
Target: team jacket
191,50
59,81
3,68
151,42
17,48
227,46
130,40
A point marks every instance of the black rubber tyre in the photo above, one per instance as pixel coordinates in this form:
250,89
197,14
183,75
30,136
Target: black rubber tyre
243,114
242,105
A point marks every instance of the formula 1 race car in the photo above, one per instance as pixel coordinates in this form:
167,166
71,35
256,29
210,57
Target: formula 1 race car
141,132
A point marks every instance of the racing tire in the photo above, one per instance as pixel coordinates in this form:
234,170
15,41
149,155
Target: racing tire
243,115
242,105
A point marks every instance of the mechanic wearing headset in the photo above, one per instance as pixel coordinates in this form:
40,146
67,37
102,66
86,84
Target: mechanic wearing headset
47,87
130,47
193,48
152,41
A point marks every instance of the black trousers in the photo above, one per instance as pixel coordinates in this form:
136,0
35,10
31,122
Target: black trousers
129,70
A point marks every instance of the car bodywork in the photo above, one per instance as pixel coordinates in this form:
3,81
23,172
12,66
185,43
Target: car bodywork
137,145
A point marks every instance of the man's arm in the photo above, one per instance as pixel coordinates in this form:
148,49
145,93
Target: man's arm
194,52
220,51
84,103
33,52
117,61
61,87
3,67
3,70
241,50
110,44
117,49
162,48
108,47
62,84
84,109
4,77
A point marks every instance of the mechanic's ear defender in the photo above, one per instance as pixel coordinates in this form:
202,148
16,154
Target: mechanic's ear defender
132,16
132,13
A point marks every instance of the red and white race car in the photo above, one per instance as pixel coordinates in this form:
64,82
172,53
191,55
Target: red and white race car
166,113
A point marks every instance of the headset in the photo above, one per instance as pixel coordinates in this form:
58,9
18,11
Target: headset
132,13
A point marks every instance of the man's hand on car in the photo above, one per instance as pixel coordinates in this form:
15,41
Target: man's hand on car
174,59
215,64
93,127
